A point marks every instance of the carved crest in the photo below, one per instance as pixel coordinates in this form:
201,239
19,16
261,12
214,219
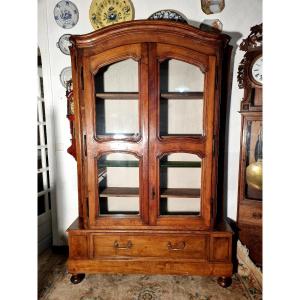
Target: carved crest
241,74
254,40
251,44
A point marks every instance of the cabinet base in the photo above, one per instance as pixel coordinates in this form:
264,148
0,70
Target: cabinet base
204,253
149,266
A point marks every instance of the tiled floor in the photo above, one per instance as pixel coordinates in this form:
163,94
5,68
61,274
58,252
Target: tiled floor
50,265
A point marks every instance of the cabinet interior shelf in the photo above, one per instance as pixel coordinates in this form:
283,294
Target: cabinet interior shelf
119,192
179,193
164,192
135,95
164,164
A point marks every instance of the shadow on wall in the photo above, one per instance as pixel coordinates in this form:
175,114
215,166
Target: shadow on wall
224,135
224,132
224,142
224,116
225,113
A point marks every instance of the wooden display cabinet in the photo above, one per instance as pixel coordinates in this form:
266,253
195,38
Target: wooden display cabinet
147,105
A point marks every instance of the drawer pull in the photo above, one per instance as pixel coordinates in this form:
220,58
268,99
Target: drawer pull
176,247
118,246
256,215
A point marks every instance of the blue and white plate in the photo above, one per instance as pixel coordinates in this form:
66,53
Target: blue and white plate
168,14
66,14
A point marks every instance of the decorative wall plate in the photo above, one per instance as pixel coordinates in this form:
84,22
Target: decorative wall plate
212,6
214,25
64,43
66,14
107,12
168,14
65,76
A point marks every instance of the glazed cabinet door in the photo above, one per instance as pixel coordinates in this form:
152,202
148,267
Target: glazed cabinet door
182,97
116,140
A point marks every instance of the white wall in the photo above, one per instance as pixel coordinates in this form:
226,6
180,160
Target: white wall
237,17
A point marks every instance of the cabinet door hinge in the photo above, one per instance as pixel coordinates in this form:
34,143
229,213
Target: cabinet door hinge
153,193
217,80
214,145
84,144
212,206
87,206
82,78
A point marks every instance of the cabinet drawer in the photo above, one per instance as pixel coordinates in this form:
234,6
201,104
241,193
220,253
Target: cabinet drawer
172,246
251,213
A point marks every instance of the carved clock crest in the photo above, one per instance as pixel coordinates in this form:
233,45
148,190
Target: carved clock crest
250,70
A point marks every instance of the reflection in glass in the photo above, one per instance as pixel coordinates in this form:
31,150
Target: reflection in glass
116,100
180,183
118,184
181,98
253,183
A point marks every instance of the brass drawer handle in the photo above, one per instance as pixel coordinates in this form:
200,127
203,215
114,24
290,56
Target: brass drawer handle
256,215
127,246
176,247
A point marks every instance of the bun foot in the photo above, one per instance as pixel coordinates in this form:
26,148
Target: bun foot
77,278
224,281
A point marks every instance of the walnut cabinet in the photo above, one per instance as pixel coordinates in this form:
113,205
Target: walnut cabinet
147,98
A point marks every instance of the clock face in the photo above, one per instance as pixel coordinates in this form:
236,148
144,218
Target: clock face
256,70
108,12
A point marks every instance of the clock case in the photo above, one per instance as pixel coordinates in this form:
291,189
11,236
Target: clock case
249,215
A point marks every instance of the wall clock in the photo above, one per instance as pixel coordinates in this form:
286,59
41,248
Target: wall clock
66,14
64,43
250,78
107,12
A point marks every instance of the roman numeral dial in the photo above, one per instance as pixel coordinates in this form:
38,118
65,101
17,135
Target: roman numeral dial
256,70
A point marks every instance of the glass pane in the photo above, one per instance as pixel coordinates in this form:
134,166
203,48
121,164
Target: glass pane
180,183
181,98
48,180
118,180
42,87
39,159
45,133
40,182
49,200
43,111
116,100
41,205
38,136
253,186
47,160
